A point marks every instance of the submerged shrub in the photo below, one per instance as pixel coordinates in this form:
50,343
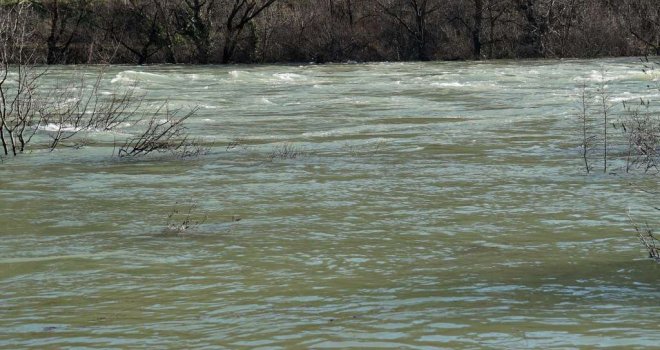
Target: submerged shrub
287,150
163,133
184,217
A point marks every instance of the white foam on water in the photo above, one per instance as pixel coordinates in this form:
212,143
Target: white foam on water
236,74
412,149
289,77
122,78
481,85
450,84
357,130
634,98
266,101
599,76
58,127
131,76
54,127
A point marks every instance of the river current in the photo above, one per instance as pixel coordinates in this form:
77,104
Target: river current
419,206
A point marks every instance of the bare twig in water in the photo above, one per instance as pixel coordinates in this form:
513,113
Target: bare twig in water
650,242
28,108
642,130
287,150
604,105
355,150
183,218
164,133
584,118
236,143
73,107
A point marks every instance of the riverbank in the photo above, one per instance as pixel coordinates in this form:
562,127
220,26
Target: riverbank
272,31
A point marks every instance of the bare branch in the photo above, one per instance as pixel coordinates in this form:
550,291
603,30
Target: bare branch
164,133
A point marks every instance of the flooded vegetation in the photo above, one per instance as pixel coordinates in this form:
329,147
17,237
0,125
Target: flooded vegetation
385,205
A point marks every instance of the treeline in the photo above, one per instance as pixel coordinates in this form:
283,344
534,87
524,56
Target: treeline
260,31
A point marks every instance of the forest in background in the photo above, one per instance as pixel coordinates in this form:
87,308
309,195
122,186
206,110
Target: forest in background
266,31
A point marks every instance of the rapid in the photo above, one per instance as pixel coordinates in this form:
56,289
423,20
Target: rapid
438,205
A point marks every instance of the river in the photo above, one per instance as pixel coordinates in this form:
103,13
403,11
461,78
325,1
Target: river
438,205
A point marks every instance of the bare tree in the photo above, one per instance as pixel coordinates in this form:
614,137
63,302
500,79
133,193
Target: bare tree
412,15
193,19
531,28
140,27
497,16
168,29
64,20
472,15
644,23
73,107
478,18
240,14
18,79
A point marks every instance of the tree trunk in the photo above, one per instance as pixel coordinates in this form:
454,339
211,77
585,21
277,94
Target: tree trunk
532,30
229,47
2,139
53,55
476,30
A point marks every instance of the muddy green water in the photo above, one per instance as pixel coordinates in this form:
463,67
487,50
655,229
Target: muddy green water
434,206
